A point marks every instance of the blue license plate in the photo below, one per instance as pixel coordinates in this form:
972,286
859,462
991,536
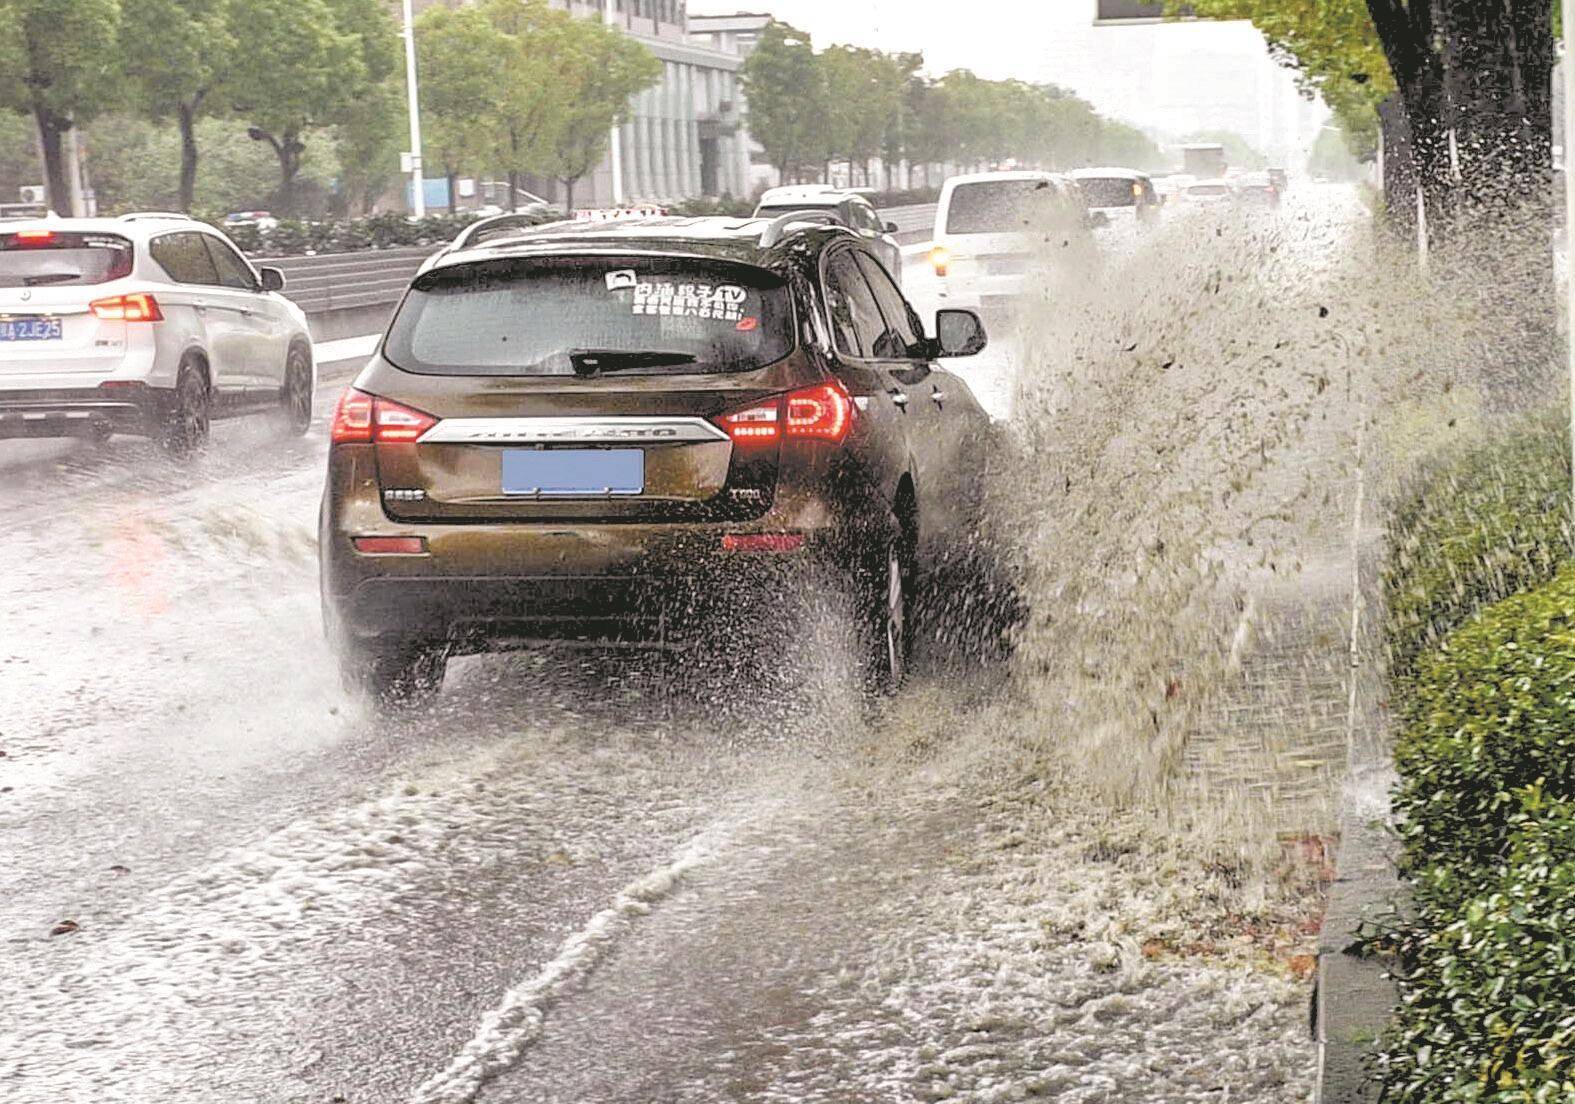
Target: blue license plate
573,472
29,329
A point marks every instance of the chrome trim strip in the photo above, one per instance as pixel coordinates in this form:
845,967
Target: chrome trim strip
572,431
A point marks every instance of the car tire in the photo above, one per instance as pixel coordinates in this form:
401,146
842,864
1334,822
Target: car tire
295,397
189,420
395,673
884,624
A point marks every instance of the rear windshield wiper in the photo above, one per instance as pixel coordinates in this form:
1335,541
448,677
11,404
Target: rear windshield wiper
595,362
49,278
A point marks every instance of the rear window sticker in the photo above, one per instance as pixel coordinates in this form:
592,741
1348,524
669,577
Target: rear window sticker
722,302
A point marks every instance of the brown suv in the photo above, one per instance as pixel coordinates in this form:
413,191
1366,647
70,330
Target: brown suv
619,433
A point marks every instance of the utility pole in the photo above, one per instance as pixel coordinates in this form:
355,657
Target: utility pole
615,142
417,176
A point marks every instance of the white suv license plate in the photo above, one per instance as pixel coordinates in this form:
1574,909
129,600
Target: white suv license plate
29,329
557,472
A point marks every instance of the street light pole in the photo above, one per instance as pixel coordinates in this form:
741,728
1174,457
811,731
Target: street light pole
615,143
417,181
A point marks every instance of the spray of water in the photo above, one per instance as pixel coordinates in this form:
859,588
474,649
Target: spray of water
1205,440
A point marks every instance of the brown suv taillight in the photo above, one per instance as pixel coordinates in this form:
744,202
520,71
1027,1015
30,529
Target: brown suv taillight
364,419
823,412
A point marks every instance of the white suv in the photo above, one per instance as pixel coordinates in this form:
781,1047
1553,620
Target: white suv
146,324
848,206
1001,236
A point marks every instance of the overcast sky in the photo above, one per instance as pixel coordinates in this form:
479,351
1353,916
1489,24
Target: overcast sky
995,38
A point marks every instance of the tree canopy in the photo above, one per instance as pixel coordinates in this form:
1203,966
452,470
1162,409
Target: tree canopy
59,63
176,53
308,64
853,104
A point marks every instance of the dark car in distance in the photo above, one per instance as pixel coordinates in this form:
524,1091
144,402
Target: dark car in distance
632,433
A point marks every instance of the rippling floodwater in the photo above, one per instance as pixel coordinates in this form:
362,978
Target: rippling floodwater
1087,873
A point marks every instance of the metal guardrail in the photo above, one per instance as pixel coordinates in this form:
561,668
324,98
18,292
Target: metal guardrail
378,277
919,219
347,281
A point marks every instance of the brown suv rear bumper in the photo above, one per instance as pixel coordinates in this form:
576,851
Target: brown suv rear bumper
479,613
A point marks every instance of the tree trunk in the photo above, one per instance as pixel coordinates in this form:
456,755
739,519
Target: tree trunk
187,117
453,191
51,128
288,150
514,189
1499,62
568,183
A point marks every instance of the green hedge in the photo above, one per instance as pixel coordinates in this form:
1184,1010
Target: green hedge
742,208
1493,713
1482,675
1470,530
294,237
1488,1006
1487,808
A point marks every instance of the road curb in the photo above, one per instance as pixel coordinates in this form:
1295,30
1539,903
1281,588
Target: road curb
1355,996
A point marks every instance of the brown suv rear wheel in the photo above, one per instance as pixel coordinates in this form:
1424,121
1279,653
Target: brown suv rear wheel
394,671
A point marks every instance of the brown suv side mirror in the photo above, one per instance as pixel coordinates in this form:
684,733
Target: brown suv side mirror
959,333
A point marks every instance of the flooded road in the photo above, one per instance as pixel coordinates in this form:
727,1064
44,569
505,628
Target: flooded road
561,884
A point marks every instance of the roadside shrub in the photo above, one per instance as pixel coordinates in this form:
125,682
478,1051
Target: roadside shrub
297,237
1493,717
1471,529
743,208
1487,813
699,208
1488,990
911,197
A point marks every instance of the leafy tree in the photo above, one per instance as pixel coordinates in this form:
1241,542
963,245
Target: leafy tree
863,90
237,173
367,144
18,156
306,64
902,125
534,100
930,133
58,64
600,70
175,53
459,54
785,89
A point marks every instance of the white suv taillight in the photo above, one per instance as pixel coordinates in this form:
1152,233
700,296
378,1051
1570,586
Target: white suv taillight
137,306
363,419
823,412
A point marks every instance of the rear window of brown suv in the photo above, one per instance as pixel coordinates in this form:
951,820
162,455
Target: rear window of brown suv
591,316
